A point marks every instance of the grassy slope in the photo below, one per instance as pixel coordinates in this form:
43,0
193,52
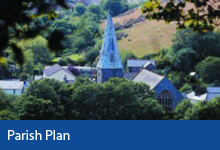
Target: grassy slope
74,57
145,37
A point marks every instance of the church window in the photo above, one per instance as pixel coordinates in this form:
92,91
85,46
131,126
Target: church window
112,58
166,100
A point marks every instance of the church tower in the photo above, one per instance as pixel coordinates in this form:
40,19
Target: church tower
109,64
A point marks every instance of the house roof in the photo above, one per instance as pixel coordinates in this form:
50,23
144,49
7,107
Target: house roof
148,77
11,85
193,96
48,71
148,64
139,63
212,92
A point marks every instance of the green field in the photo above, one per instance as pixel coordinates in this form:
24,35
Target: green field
74,57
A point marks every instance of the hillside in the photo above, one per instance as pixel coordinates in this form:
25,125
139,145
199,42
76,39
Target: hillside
145,37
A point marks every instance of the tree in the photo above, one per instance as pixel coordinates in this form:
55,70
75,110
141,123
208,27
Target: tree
181,108
200,15
91,56
80,9
189,48
37,109
15,24
116,7
47,89
114,100
204,110
8,115
208,69
38,47
184,60
95,9
4,101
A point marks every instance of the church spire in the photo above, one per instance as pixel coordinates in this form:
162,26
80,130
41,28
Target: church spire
109,55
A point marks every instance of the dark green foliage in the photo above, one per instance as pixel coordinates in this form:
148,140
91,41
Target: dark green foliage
8,115
4,101
14,14
189,48
116,7
62,62
95,9
80,9
202,16
208,69
181,108
177,78
33,108
204,110
47,89
91,56
115,99
186,88
23,77
184,60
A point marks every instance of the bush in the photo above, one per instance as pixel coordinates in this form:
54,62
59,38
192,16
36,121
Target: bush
204,110
181,108
62,62
23,77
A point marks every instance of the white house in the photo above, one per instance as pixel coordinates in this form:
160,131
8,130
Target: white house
196,98
12,87
58,73
212,92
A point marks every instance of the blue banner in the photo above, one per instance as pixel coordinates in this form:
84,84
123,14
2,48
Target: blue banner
109,135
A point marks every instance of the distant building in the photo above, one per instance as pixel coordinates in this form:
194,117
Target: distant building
58,73
12,87
196,98
109,64
212,92
137,65
166,93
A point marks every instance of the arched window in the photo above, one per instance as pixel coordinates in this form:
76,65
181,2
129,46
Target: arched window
166,100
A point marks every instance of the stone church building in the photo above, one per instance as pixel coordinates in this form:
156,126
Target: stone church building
110,65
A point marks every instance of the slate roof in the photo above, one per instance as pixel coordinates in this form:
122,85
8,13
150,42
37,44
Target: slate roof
48,71
148,77
139,63
212,92
130,75
11,85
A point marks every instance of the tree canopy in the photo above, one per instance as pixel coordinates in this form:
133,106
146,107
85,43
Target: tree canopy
200,15
18,21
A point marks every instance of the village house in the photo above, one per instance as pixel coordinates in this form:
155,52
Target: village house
137,65
13,87
58,73
212,92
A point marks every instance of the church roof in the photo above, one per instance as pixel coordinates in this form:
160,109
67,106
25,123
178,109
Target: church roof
109,55
148,77
139,63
